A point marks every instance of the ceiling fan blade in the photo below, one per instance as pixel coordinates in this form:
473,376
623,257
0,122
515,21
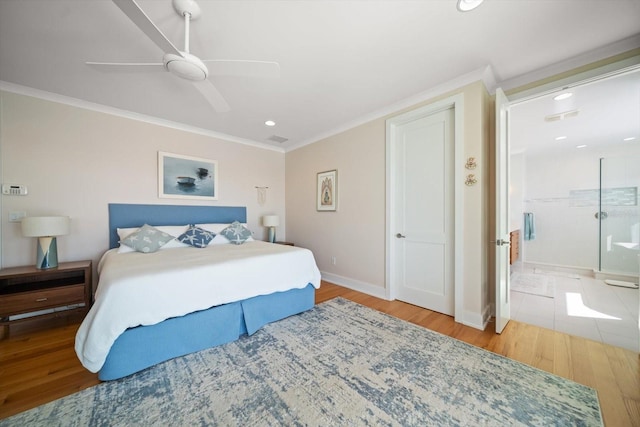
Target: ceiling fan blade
127,67
211,93
137,15
245,68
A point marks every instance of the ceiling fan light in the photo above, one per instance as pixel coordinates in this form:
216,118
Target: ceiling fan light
467,5
188,66
562,96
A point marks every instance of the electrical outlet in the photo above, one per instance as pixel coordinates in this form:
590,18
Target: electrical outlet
17,216
334,261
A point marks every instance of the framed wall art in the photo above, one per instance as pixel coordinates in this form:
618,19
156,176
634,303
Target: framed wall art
327,191
186,177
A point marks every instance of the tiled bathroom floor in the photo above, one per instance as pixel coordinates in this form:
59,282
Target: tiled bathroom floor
585,307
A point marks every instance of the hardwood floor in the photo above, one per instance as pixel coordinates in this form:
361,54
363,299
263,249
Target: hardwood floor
38,366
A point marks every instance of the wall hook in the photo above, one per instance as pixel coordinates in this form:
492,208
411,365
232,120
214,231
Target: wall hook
262,195
471,163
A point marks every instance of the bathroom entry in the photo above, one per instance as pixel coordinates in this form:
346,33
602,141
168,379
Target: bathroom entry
557,144
574,166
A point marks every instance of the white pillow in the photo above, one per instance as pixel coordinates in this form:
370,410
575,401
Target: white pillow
174,230
214,228
219,240
217,228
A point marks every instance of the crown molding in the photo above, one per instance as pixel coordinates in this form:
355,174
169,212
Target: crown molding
484,74
86,105
620,47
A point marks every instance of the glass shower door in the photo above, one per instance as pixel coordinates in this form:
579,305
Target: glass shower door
619,215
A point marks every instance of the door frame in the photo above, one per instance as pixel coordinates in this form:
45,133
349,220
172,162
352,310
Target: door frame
455,102
589,76
501,242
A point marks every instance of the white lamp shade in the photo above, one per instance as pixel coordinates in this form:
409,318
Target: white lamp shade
41,226
270,220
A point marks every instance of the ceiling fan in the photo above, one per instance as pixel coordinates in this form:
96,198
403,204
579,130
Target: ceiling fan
182,63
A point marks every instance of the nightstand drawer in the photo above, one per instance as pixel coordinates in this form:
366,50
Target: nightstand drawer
38,300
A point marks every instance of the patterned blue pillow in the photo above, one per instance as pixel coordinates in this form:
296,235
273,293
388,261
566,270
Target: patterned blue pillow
196,237
147,239
236,233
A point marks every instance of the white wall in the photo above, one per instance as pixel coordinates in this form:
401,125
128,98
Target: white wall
75,161
566,233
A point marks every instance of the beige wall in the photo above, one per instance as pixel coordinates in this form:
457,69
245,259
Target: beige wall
75,161
355,234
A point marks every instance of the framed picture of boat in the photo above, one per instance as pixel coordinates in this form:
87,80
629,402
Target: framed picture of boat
186,177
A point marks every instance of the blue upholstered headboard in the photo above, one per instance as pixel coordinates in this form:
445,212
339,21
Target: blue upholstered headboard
127,215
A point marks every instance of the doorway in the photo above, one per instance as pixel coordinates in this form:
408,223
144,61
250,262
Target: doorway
567,157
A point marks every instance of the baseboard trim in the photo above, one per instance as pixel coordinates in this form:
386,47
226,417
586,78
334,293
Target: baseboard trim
604,275
475,320
356,285
582,271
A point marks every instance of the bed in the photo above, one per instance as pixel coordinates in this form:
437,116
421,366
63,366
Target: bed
150,308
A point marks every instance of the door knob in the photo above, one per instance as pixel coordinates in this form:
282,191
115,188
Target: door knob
400,236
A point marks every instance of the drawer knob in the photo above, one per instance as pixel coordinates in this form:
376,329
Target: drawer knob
41,299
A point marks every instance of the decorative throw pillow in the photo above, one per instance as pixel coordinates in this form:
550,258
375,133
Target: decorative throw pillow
196,237
147,240
236,233
173,230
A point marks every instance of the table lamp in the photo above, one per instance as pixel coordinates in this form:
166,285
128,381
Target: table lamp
46,228
271,221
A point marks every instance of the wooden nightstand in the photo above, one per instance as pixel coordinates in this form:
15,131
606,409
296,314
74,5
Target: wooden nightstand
285,243
28,290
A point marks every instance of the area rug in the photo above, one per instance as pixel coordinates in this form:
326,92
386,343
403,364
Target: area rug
534,284
337,364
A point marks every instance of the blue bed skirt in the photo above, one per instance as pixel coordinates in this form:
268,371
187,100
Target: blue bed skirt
139,348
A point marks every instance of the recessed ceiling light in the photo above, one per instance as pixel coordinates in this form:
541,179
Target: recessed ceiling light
563,96
270,123
631,138
467,5
560,138
581,146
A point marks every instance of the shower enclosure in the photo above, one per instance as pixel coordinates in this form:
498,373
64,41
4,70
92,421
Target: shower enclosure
619,217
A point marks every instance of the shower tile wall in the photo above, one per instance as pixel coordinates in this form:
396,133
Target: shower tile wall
562,193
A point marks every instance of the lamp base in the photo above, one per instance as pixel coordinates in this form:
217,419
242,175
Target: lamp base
272,234
47,253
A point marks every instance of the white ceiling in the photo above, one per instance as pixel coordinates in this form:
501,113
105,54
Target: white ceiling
608,113
340,60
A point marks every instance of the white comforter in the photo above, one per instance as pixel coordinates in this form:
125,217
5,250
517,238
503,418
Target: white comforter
144,289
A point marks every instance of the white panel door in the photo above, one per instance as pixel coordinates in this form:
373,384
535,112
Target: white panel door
424,219
502,286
